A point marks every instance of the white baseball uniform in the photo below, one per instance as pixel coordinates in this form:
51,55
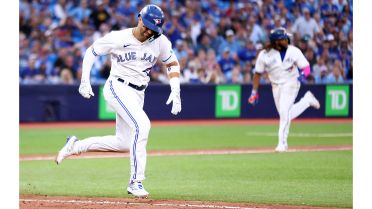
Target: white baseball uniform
124,92
283,74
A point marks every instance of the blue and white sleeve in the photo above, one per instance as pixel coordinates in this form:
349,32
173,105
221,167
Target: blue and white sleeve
104,45
166,53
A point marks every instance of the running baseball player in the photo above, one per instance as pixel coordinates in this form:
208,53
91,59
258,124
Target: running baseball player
134,51
281,61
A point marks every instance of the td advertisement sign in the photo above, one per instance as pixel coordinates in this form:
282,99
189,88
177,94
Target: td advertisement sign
337,100
228,101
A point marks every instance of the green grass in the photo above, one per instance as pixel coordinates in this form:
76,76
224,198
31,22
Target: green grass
311,178
308,178
48,141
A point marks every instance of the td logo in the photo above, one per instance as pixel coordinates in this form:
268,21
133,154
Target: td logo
228,101
337,100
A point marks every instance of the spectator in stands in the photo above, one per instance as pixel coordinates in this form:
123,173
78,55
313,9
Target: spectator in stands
247,72
66,77
322,77
59,11
99,15
236,75
203,43
336,75
333,49
305,25
241,36
51,30
81,12
346,60
223,26
215,39
32,74
227,62
127,9
258,33
319,67
310,56
179,50
174,29
71,64
230,43
213,69
248,53
328,9
191,74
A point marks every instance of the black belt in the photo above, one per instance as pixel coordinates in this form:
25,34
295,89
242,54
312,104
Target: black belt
139,88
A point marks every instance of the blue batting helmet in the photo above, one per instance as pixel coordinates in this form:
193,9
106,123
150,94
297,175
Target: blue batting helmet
152,18
279,34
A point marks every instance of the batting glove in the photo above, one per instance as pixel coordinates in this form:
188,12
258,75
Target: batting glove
175,96
85,89
253,99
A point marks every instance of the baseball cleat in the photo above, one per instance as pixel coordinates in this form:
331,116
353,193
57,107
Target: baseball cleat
136,189
66,149
313,101
281,148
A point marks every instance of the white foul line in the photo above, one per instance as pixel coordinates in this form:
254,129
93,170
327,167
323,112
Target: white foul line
134,203
197,152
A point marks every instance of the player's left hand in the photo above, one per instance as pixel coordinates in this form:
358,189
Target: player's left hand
85,89
302,78
175,97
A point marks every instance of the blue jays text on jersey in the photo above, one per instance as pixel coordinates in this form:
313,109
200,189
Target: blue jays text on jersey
133,56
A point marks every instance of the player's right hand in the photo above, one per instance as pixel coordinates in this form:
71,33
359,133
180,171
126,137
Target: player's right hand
253,99
85,89
175,98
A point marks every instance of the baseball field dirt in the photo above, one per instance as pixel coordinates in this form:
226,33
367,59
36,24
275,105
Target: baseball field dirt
49,202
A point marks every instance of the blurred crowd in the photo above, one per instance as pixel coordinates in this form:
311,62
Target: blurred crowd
216,41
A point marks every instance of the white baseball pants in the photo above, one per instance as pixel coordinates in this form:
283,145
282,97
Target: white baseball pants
284,97
132,127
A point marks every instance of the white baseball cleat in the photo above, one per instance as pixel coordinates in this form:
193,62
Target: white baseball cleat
313,101
281,148
66,149
136,189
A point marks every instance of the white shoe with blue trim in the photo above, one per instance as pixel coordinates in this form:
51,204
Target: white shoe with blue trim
136,189
66,149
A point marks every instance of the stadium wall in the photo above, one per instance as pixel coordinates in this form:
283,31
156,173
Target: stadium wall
43,103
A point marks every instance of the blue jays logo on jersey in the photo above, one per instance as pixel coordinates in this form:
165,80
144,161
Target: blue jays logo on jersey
157,21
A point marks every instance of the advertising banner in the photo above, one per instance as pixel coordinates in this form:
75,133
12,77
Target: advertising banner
228,99
337,100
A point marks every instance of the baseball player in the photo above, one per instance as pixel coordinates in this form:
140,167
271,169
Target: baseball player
281,61
134,51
